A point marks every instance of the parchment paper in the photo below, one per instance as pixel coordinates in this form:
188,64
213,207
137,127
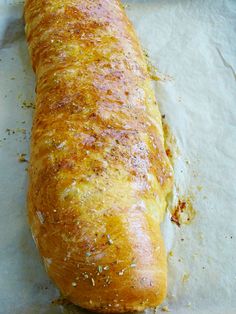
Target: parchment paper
193,45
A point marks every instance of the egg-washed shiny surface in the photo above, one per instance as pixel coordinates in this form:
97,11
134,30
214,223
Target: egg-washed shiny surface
99,174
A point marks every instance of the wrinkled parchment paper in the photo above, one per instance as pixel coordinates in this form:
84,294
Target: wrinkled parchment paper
193,45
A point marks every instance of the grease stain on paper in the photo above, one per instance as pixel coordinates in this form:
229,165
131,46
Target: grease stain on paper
153,71
172,150
184,212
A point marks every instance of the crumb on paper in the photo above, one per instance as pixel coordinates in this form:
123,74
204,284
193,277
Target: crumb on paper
171,253
15,131
165,77
165,309
125,5
27,105
61,301
185,277
19,133
21,157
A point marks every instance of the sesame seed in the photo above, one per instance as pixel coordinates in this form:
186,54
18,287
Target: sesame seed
106,267
99,268
110,241
121,273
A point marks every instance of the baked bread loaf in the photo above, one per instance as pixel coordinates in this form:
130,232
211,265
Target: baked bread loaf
99,174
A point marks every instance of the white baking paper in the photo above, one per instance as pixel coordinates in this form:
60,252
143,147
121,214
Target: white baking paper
193,46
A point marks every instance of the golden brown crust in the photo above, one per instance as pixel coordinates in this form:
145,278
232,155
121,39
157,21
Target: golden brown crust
99,174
